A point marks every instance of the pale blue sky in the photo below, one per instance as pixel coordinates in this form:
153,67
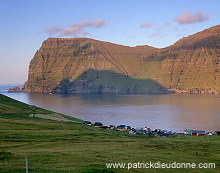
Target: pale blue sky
25,24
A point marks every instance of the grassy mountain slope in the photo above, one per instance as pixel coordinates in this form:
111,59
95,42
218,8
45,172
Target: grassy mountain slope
11,106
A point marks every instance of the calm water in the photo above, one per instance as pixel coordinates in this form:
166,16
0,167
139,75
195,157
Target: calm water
170,111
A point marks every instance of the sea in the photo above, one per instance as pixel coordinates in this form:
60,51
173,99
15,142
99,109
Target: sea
175,112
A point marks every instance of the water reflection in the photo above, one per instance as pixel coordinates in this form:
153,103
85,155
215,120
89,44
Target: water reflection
170,111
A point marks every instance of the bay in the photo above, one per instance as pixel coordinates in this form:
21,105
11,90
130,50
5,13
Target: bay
175,112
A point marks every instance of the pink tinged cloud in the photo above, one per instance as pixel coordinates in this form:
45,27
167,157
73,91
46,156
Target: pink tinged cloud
78,29
53,30
187,18
73,31
146,25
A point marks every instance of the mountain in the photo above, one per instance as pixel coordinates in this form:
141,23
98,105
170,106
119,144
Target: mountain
83,65
191,64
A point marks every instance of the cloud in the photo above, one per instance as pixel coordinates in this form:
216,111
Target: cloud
73,31
146,25
53,30
160,30
77,29
164,26
187,18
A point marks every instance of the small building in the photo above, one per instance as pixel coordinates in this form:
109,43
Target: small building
217,132
87,122
166,133
121,127
128,127
195,132
98,124
112,127
209,133
188,132
201,134
131,132
149,129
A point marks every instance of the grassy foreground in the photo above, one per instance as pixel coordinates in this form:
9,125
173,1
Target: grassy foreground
55,146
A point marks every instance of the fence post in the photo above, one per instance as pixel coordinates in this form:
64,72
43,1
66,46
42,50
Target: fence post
26,159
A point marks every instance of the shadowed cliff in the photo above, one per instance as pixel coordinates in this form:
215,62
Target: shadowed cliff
106,81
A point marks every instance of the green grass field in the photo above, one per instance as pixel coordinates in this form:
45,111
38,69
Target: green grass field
55,146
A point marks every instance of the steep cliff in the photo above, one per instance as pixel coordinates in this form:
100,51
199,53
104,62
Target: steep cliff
83,65
191,64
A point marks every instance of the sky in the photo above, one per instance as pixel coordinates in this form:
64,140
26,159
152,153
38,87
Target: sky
25,24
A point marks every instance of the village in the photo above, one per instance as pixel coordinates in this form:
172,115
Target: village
150,132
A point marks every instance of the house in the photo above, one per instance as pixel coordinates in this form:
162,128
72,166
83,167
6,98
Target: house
149,129
121,127
139,130
87,122
209,133
199,132
112,127
166,133
131,132
98,124
217,132
188,132
128,127
195,132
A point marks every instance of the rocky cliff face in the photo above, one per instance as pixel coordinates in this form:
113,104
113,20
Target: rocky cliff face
82,65
191,64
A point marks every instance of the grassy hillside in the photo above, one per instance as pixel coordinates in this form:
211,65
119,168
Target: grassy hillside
54,146
11,106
